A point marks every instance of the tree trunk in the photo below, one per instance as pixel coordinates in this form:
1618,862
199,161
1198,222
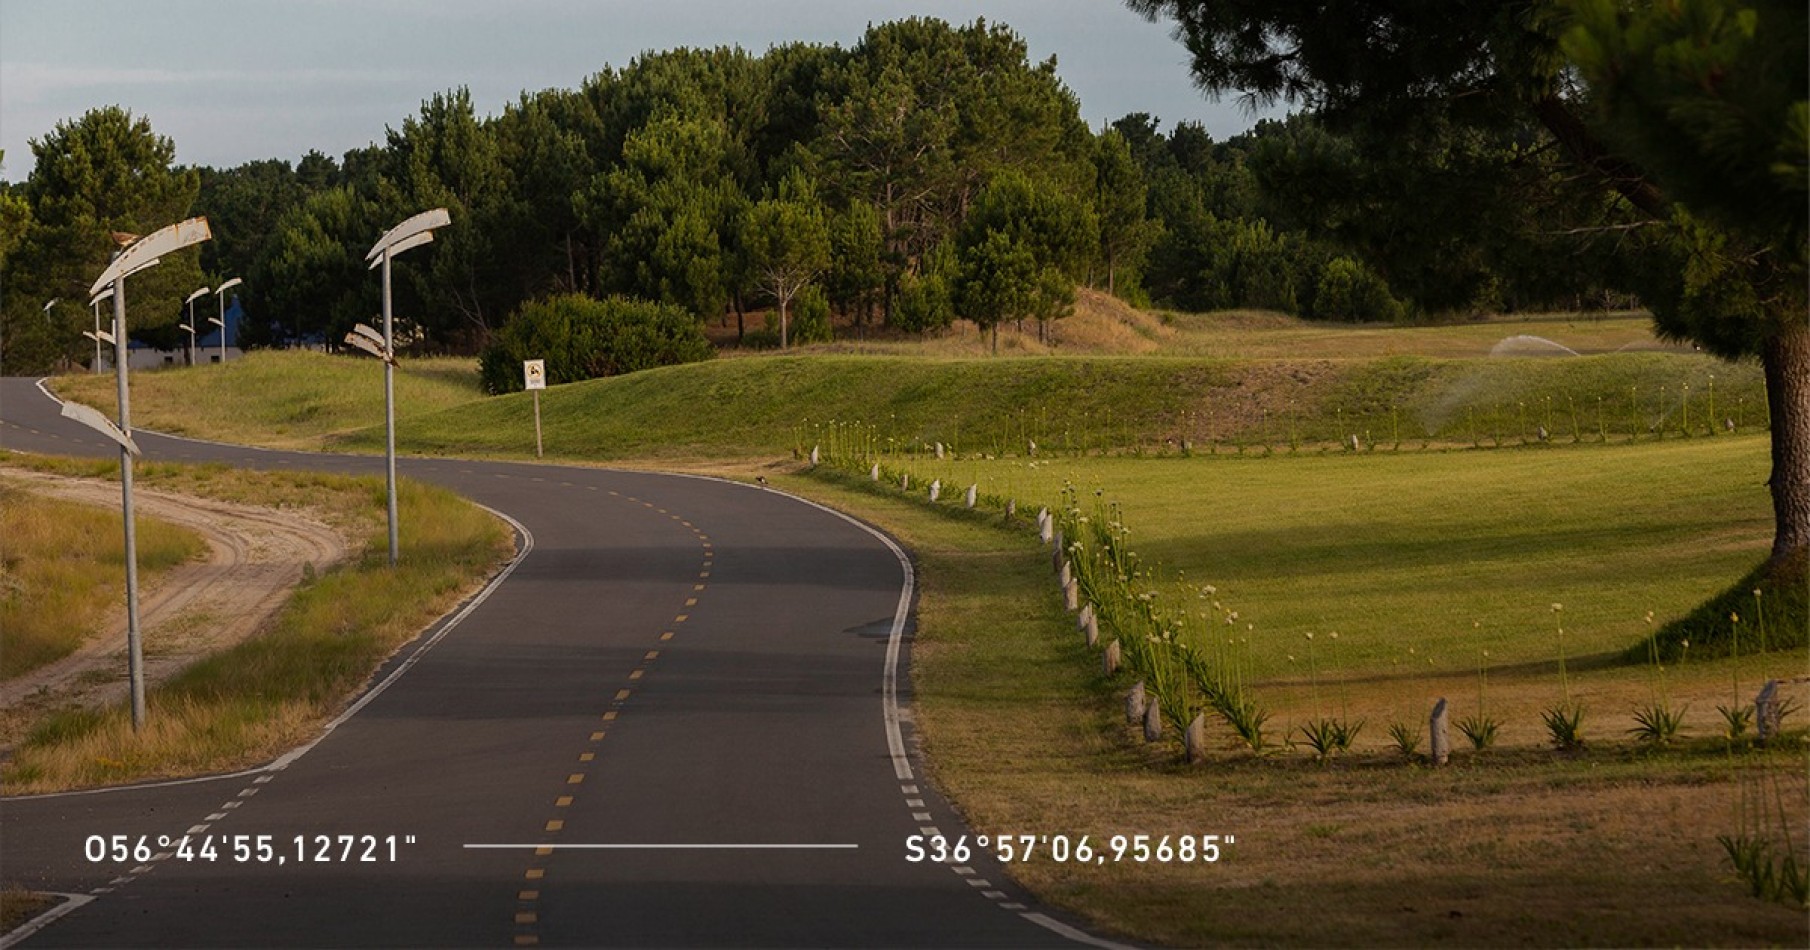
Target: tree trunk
1786,357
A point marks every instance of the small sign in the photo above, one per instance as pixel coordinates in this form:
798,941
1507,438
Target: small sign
535,372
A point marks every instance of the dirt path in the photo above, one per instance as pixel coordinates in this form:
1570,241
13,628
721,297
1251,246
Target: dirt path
256,556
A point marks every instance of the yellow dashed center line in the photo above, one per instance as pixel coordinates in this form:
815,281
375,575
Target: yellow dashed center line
527,916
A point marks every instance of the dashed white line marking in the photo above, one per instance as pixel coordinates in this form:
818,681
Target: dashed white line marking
963,870
920,816
993,895
979,882
914,803
216,816
196,830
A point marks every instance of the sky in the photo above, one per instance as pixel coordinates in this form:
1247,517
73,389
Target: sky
235,80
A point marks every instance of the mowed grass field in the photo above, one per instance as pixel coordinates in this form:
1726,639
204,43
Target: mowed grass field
1399,550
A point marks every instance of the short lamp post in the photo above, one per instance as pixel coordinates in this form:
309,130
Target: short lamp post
190,326
138,255
414,232
99,336
220,293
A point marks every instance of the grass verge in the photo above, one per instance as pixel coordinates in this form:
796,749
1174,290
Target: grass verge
62,562
273,691
1607,846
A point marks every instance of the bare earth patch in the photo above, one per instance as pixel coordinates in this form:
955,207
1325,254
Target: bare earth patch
256,557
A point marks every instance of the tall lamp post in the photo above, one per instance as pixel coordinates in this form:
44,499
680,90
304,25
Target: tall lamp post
190,326
411,233
220,293
141,253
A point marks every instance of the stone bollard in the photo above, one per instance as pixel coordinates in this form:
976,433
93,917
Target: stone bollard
1135,701
905,482
939,451
1440,745
1093,630
973,495
874,473
1153,720
1046,526
1030,447
1057,540
1066,574
1767,711
1110,659
936,490
1071,595
1195,739
814,456
1011,508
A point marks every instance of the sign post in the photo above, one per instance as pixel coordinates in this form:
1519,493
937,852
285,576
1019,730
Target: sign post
534,373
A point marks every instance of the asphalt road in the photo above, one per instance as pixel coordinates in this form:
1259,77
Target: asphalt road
672,661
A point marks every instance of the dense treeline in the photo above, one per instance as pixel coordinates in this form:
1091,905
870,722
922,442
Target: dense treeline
926,174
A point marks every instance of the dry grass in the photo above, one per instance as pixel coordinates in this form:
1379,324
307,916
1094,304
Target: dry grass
18,906
61,565
246,704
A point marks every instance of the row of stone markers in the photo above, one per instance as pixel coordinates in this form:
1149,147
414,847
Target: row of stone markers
1143,703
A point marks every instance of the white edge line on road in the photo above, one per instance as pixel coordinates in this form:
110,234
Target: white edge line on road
1058,927
420,651
32,926
889,693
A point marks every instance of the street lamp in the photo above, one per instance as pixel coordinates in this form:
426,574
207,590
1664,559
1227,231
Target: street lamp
414,232
190,326
99,335
138,255
221,323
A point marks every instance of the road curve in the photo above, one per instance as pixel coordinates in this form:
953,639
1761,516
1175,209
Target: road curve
675,661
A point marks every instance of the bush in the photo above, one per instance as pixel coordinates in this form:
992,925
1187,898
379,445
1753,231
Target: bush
1350,291
810,317
583,338
922,305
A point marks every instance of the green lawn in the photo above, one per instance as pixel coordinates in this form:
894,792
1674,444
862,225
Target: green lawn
288,399
1409,550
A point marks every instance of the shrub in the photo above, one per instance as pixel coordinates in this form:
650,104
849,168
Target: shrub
810,316
583,338
1350,291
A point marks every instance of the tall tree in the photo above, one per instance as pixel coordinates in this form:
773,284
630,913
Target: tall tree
788,243
1710,97
105,173
1692,67
1120,197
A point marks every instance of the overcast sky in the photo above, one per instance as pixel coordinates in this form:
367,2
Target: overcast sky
235,80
